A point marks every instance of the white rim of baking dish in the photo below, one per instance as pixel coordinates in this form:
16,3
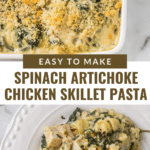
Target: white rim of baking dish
113,51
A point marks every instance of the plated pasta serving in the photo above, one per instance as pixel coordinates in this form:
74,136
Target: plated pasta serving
59,26
98,129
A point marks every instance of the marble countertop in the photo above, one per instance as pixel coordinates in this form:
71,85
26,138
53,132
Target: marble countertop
138,29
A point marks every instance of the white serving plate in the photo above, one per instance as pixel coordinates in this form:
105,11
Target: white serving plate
26,128
113,51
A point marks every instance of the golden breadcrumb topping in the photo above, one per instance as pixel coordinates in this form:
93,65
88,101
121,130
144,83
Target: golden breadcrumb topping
59,26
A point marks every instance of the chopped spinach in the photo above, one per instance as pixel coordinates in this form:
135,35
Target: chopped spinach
90,131
18,19
35,43
43,142
116,30
95,45
131,145
104,113
66,0
106,141
91,140
77,30
84,7
82,146
24,33
108,116
97,1
75,138
119,12
100,135
55,42
73,116
20,45
58,135
21,35
6,45
89,39
25,49
2,26
119,141
120,121
96,119
111,133
93,112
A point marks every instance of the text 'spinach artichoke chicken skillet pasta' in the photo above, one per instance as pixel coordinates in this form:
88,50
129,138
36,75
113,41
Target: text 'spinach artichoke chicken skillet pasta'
98,129
59,26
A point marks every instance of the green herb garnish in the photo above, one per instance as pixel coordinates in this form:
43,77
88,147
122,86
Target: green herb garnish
73,116
43,142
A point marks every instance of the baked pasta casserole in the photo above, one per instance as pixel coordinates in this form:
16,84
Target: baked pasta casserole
98,129
59,26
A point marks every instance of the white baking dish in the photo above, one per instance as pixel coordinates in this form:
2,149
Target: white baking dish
27,126
113,51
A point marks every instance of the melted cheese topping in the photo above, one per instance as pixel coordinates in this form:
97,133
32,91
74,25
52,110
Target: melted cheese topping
98,129
59,26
